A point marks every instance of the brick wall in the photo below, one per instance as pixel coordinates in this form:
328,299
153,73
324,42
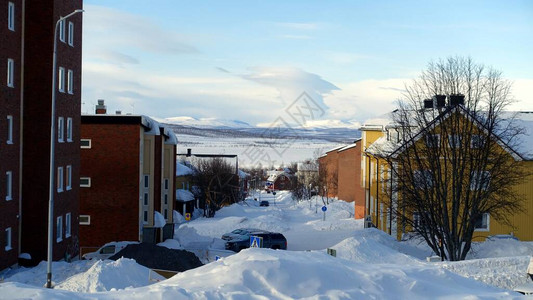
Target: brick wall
112,201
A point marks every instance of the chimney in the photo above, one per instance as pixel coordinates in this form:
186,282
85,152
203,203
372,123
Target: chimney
118,112
457,99
428,103
188,152
440,101
101,108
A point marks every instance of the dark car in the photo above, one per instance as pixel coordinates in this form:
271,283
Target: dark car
272,240
264,203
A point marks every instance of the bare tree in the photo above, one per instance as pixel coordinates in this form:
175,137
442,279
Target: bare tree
455,164
217,182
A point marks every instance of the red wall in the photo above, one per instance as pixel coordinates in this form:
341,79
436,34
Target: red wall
112,201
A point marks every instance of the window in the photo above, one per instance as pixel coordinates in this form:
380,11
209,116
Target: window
70,82
476,142
59,179
85,220
69,178
433,140
11,16
166,214
166,183
85,181
482,222
145,216
67,225
423,179
62,31
8,239
71,34
145,199
166,198
61,79
59,229
419,220
69,129
454,140
146,181
10,72
9,185
479,180
9,130
60,129
85,143
108,250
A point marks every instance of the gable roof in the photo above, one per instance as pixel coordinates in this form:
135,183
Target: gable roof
386,148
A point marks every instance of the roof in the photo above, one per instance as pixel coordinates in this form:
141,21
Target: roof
183,170
384,147
150,125
184,195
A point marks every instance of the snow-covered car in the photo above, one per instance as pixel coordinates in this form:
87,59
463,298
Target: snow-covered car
107,250
239,233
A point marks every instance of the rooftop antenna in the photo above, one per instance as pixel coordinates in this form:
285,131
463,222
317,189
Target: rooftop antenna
132,108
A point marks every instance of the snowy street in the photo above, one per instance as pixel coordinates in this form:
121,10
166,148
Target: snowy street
369,263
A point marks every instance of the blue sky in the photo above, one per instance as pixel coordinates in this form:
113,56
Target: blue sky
249,60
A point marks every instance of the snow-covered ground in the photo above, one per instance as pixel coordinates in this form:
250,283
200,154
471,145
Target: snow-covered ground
369,263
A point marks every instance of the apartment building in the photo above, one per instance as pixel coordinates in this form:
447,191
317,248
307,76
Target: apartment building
127,179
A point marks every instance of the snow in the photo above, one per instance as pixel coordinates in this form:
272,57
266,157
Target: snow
159,220
369,264
184,195
183,170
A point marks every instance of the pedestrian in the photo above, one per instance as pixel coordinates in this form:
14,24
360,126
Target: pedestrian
530,268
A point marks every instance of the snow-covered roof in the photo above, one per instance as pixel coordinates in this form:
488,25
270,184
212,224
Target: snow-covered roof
307,167
353,145
151,125
184,195
183,170
172,138
525,145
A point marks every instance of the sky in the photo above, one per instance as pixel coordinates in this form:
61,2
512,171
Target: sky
252,60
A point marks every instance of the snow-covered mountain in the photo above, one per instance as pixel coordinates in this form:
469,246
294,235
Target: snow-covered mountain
204,122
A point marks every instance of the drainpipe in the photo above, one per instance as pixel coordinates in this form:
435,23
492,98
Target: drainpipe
390,207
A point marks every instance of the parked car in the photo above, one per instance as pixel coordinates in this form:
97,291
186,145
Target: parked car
272,240
238,233
107,250
264,203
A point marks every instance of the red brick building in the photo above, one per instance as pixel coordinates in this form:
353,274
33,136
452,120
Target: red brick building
343,173
26,55
127,178
10,116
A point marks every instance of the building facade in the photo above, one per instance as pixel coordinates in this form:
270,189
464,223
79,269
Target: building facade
383,147
127,178
26,55
10,139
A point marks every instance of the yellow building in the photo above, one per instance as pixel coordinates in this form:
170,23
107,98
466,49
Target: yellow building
384,142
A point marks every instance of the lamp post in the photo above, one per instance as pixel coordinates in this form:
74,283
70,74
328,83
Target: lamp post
52,156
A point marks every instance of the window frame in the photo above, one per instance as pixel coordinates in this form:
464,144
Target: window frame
61,80
11,16
60,179
69,129
68,219
62,30
423,179
88,181
85,140
70,81
10,72
59,229
474,181
71,33
68,184
476,141
454,141
485,216
9,130
9,185
88,222
60,129
9,240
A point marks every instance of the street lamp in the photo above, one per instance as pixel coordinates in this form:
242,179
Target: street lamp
52,149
